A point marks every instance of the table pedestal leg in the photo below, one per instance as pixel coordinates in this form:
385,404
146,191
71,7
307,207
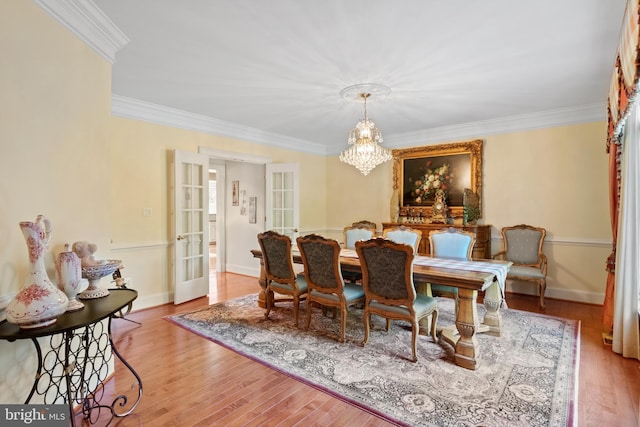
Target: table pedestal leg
465,344
492,302
262,281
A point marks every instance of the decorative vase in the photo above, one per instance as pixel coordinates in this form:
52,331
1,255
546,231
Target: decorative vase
40,302
395,206
94,274
70,279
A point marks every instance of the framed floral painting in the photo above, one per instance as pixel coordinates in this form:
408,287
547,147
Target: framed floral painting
421,171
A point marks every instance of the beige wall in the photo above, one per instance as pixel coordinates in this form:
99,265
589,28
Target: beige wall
553,178
141,154
54,117
63,155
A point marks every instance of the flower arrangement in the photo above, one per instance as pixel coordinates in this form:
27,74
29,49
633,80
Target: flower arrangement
439,178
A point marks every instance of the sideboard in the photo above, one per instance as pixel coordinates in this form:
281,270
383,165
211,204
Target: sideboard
74,370
481,249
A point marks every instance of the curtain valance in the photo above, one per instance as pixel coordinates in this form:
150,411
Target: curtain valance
624,83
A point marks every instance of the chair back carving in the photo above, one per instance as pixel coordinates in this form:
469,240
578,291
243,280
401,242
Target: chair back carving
451,243
361,230
276,254
321,260
365,224
403,234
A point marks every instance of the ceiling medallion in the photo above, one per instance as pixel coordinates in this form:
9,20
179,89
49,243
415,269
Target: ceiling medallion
364,152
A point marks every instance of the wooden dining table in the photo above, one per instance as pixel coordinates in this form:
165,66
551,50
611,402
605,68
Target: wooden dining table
469,277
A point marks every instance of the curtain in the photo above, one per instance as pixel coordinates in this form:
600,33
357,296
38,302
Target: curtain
626,328
614,181
623,94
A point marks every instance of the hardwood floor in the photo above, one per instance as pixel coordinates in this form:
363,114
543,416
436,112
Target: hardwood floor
190,381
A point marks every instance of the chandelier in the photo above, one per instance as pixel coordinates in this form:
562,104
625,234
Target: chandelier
364,152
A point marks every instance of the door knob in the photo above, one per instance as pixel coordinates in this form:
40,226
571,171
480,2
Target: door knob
180,237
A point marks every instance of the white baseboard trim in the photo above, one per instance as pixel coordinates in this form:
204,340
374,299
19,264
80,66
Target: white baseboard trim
572,295
148,301
244,270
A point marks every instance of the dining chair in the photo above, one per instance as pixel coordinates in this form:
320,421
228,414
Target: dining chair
321,260
389,290
280,275
523,247
450,243
359,230
403,234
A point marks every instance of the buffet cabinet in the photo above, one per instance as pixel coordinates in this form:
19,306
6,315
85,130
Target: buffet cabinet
481,249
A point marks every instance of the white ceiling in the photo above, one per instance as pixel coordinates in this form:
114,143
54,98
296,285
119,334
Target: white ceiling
455,68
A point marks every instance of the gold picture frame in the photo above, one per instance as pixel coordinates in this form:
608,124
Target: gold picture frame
418,172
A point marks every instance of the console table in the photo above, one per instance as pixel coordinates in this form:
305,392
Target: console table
76,367
481,249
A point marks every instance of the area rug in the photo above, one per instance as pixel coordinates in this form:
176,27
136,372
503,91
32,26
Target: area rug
527,376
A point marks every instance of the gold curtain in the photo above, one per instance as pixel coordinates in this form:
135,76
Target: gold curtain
623,93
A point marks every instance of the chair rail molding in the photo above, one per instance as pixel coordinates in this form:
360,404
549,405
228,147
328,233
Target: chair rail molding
567,241
87,21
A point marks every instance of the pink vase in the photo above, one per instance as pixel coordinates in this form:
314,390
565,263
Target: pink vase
70,279
40,302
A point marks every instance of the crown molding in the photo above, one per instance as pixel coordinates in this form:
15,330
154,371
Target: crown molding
140,110
130,108
524,122
87,21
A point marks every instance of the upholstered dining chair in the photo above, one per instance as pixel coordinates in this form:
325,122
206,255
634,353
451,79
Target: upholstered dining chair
280,275
450,243
403,234
359,230
389,289
321,260
523,247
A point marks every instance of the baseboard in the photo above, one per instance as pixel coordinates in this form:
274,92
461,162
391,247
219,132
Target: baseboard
572,295
244,270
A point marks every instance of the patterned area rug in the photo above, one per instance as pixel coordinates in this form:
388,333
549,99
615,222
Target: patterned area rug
527,377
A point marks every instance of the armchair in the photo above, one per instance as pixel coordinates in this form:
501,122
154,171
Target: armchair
278,268
360,230
321,260
450,243
404,234
523,247
389,289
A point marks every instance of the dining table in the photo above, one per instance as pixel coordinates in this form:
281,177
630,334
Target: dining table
469,277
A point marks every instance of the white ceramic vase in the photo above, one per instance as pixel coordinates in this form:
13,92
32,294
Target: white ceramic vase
39,302
70,279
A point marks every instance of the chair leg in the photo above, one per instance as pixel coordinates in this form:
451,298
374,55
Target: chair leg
414,340
343,322
543,287
388,324
296,306
434,324
268,296
308,314
366,318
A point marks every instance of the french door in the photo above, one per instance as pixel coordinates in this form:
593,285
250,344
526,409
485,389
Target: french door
191,225
282,201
